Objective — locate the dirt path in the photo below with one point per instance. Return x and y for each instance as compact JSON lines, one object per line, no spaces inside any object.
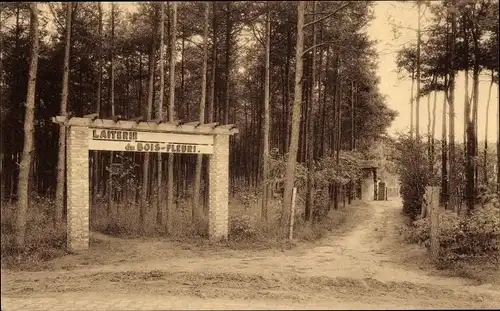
{"x":364,"y":265}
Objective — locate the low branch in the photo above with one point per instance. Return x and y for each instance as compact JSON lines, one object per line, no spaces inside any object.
{"x":259,"y":39}
{"x":315,"y":46}
{"x":317,"y":13}
{"x":54,"y":15}
{"x":328,"y":15}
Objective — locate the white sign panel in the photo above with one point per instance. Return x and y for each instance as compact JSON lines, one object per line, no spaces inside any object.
{"x":136,"y":141}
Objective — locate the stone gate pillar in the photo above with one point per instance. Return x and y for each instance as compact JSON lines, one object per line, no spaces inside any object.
{"x":218,"y":208}
{"x":77,"y":174}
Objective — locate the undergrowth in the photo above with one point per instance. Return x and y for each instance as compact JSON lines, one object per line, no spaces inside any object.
{"x":43,"y":242}
{"x":246,"y":228}
{"x":469,"y":245}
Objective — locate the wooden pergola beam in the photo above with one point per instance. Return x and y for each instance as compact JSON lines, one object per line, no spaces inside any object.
{"x":209,"y":125}
{"x":92,"y":116}
{"x":171,"y":127}
{"x":195,"y":123}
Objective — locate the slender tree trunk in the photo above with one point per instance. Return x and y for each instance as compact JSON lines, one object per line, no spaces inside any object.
{"x":338,"y":131}
{"x":159,"y":114}
{"x":417,"y":119}
{"x":211,"y":103}
{"x":99,"y":56}
{"x":429,"y":121}
{"x":228,"y":60}
{"x":97,"y":154}
{"x":319,"y":108}
{"x":181,"y":96}
{"x":294,"y":139}
{"x":310,"y":130}
{"x":485,"y":152}
{"x":171,"y":117}
{"x":498,"y":136}
{"x":324,"y":110}
{"x":333,"y":138}
{"x":149,"y":111}
{"x":112,"y":58}
{"x":353,"y":122}
{"x":467,"y":107}
{"x":29,"y":120}
{"x":469,"y":191}
{"x":473,"y":133}
{"x":453,"y":203}
{"x":286,"y":125}
{"x":3,"y":179}
{"x":61,"y":158}
{"x":476,"y":150}
{"x":111,"y":212}
{"x":433,"y":129}
{"x":411,"y":104}
{"x":197,"y":184}
{"x":266,"y":125}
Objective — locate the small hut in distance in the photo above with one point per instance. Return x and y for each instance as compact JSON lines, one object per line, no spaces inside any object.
{"x":372,"y":187}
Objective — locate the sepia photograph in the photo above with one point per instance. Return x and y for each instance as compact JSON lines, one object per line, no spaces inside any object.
{"x":250,"y":155}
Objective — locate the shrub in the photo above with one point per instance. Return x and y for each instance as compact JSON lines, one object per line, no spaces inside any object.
{"x":242,"y":227}
{"x":42,"y":242}
{"x":464,"y":238}
{"x":306,"y":232}
{"x":414,"y":174}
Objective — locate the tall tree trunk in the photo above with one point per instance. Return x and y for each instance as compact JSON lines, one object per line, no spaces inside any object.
{"x":469,"y":190}
{"x":228,"y":61}
{"x":433,"y":128}
{"x":211,"y":103}
{"x":99,"y":56}
{"x":171,"y":117}
{"x":411,"y":104}
{"x":429,"y":121}
{"x":319,"y":108}
{"x":338,"y":131}
{"x":485,"y":152}
{"x":197,"y":184}
{"x":159,"y":114}
{"x":138,"y":157}
{"x":3,"y":178}
{"x":29,"y":120}
{"x":472,"y":154}
{"x":498,"y":136}
{"x":333,"y":138}
{"x":61,"y":157}
{"x":444,"y":191}
{"x":498,"y":124}
{"x":296,"y":109}
{"x":111,"y":212}
{"x":287,"y":123}
{"x":353,"y":122}
{"x":112,"y":59}
{"x":149,"y":111}
{"x":181,"y":96}
{"x":310,"y":129}
{"x":453,"y":203}
{"x":324,"y":110}
{"x":96,"y":154}
{"x":417,"y":112}
{"x":466,"y":83}
{"x":266,"y":125}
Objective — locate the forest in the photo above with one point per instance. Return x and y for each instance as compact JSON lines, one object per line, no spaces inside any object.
{"x":298,"y":79}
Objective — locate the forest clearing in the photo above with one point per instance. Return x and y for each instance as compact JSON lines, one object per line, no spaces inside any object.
{"x":237,"y":154}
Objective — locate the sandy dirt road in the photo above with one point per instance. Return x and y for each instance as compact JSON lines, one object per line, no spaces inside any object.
{"x":362,"y":265}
